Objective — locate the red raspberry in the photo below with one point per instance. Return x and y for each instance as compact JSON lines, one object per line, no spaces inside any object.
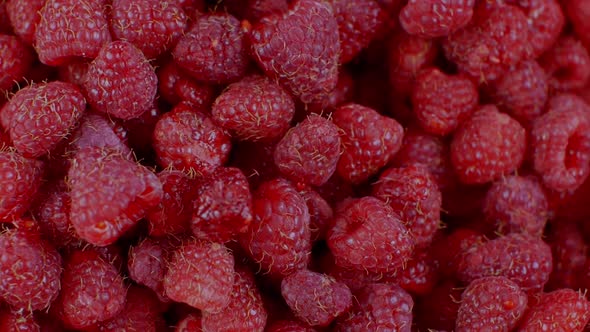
{"x":446,"y":249}
{"x":201,"y":274}
{"x":430,"y":19}
{"x":221,"y":57}
{"x":524,"y":259}
{"x":20,"y":179}
{"x":279,"y":238}
{"x":176,"y":86}
{"x":517,"y":204}
{"x":18,"y":321}
{"x":15,"y":61}
{"x":442,"y":102}
{"x":187,"y":139}
{"x":320,"y":213}
{"x":413,"y":194}
{"x":369,"y":140}
{"x":70,"y":28}
{"x":567,"y":64}
{"x":309,"y":152}
{"x":92,"y":290}
{"x":487,"y":146}
{"x":419,"y":276}
{"x":254,"y":109}
{"x":95,"y":130}
{"x":120,"y":82}
{"x":560,"y":310}
{"x":305,"y":63}
{"x":245,"y":311}
{"x":103,"y":206}
{"x":51,"y":210}
{"x":569,"y":255}
{"x":24,"y":17}
{"x":560,"y":140}
{"x":151,"y":25}
{"x":380,"y":307}
{"x":546,"y":21}
{"x":368,"y":235}
{"x":39,"y":116}
{"x":354,"y":279}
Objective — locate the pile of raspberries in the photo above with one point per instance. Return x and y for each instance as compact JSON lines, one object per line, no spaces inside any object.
{"x":294,"y":165}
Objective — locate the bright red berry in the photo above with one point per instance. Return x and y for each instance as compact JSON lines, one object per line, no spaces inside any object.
{"x":20,"y":179}
{"x":435,"y":19}
{"x":24,"y":18}
{"x":560,"y":310}
{"x":567,"y":64}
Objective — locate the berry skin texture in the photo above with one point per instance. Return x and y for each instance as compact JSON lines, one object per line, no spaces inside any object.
{"x":18,"y":321}
{"x":413,"y":194}
{"x":567,"y":65}
{"x":120,"y":82}
{"x":15,"y":61}
{"x":24,"y":17}
{"x":546,"y":22}
{"x":174,"y":86}
{"x":40,"y":116}
{"x":369,"y":141}
{"x":214,"y":49}
{"x":96,"y":130}
{"x":30,"y":270}
{"x":429,"y":19}
{"x":300,"y":48}
{"x":254,"y":109}
{"x":560,"y":310}
{"x":200,"y":274}
{"x":151,"y":25}
{"x":51,"y":211}
{"x":188,"y":139}
{"x":368,"y":235}
{"x":560,"y":140}
{"x":522,"y":258}
{"x":442,"y":102}
{"x":54,"y":41}
{"x":487,"y":146}
{"x":109,"y":194}
{"x":407,"y":55}
{"x":309,"y":152}
{"x":491,"y":303}
{"x":20,"y":179}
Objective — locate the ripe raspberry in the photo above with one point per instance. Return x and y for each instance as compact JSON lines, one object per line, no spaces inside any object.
{"x":430,"y":19}
{"x":447,"y":249}
{"x":95,"y":130}
{"x":176,"y":86}
{"x":369,"y":140}
{"x":560,"y":310}
{"x":24,"y":18}
{"x":92,"y":290}
{"x":69,"y":28}
{"x":254,"y":109}
{"x":51,"y":210}
{"x":18,"y":321}
{"x":201,"y":274}
{"x":491,"y":303}
{"x":487,"y":146}
{"x":546,"y":21}
{"x":379,"y":307}
{"x":419,"y":276}
{"x":15,"y":61}
{"x":524,"y":259}
{"x":567,"y":64}
{"x":39,"y":116}
{"x":120,"y":82}
{"x":152,"y":26}
{"x":110,"y":193}
{"x":309,"y":152}
{"x":214,"y":49}
{"x":569,"y":256}
{"x":245,"y":311}
{"x":406,"y":56}
{"x":305,"y":63}
{"x":187,"y":139}
{"x":442,"y":102}
{"x":320,"y":213}
{"x":413,"y":194}
{"x":560,"y":140}
{"x":279,"y":238}
{"x":20,"y":179}
{"x":368,"y":235}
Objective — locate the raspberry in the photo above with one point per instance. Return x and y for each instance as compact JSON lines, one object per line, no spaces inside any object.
{"x":419,"y":276}
{"x":342,"y":93}
{"x":309,"y":152}
{"x":245,"y":311}
{"x":200,"y":274}
{"x":279,"y":238}
{"x":442,"y":102}
{"x":187,"y":139}
{"x":406,"y":56}
{"x":487,"y":146}
{"x":120,"y":82}
{"x":95,"y":130}
{"x":446,"y":249}
{"x":214,"y":49}
{"x":368,"y":235}
{"x":524,"y":259}
{"x":104,"y":206}
{"x":176,"y":86}
{"x":380,"y":307}
{"x":51,"y":210}
{"x":39,"y":116}
{"x":546,"y":21}
{"x":560,"y":140}
{"x":369,"y":140}
{"x":567,"y":64}
{"x":151,"y":25}
{"x":320,"y":213}
{"x":430,"y":19}
{"x":569,"y":255}
{"x":24,"y":18}
{"x":30,"y":270}
{"x":20,"y":179}
{"x":517,"y":204}
{"x":92,"y":290}
{"x":254,"y":109}
{"x":69,"y":28}
{"x":18,"y":321}
{"x":304,"y":63}
{"x":560,"y":310}
{"x":15,"y":61}
{"x":413,"y":194}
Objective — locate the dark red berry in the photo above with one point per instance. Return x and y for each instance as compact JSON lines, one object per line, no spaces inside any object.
{"x":560,"y":310}
{"x":435,"y":19}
